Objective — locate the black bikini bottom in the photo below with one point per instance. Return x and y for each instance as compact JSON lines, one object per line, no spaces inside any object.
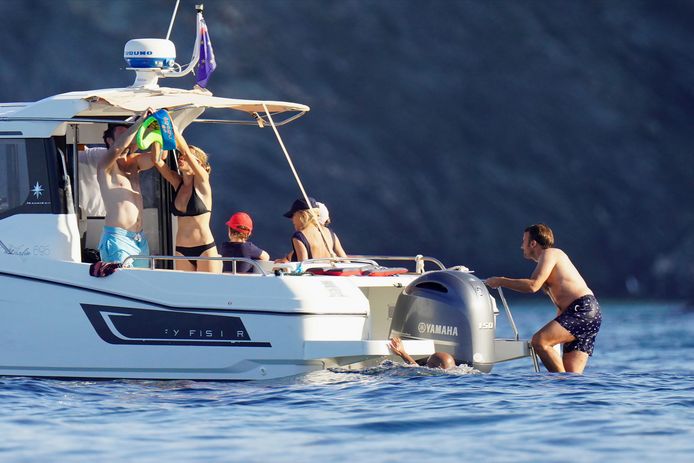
{"x":195,"y":251}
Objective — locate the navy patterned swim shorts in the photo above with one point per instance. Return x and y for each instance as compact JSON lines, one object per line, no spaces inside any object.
{"x":582,"y":319}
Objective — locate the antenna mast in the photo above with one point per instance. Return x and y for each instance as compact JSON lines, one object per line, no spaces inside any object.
{"x":173,"y":18}
{"x":155,"y":58}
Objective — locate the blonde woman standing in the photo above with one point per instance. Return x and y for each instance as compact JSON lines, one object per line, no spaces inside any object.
{"x":192,"y":205}
{"x":311,"y":240}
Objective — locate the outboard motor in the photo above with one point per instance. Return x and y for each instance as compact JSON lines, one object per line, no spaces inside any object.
{"x":455,"y":310}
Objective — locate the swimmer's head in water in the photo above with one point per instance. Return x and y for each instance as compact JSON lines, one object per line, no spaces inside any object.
{"x":442,"y":360}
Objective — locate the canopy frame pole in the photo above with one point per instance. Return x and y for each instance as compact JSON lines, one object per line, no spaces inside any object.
{"x":298,"y":180}
{"x":75,"y":169}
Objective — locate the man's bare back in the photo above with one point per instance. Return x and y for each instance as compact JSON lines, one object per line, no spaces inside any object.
{"x":563,"y":284}
{"x":579,"y":318}
{"x":554,"y":272}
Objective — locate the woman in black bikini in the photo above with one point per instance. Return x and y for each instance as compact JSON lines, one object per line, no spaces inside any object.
{"x":192,"y":205}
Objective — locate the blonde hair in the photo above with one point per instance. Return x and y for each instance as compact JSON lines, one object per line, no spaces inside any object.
{"x":201,"y":156}
{"x":306,"y":218}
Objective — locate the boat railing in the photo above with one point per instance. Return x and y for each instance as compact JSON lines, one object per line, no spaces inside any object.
{"x":262,"y":266}
{"x":419,"y":260}
{"x":234,"y":261}
{"x":338,"y":260}
{"x":370,"y":261}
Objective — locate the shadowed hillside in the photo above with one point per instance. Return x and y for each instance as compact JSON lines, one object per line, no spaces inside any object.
{"x":441,"y":127}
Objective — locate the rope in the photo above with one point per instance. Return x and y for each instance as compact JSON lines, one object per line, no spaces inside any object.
{"x":311,"y":210}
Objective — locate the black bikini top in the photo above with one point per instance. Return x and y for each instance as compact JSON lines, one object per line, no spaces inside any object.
{"x":194,"y":207}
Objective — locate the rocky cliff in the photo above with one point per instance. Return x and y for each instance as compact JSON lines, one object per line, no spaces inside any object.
{"x":439,"y":127}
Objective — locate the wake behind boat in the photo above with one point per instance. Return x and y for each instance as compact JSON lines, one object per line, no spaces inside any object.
{"x":159,"y":323}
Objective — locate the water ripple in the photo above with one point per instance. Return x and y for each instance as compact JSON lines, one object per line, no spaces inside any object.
{"x":635,"y":403}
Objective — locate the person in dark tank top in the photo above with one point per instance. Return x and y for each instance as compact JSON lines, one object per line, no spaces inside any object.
{"x":311,"y":240}
{"x":240,"y":227}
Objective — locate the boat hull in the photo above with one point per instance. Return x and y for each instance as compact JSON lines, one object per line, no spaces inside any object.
{"x":161,"y":324}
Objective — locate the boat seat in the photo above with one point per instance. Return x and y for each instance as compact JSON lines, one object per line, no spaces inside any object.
{"x":367,"y":270}
{"x":335,"y":271}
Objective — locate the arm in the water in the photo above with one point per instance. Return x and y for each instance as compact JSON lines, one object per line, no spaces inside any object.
{"x":398,"y":349}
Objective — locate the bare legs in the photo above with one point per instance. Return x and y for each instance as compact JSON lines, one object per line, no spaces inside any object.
{"x":212,"y":266}
{"x":575,"y":361}
{"x":183,"y":264}
{"x":544,"y":341}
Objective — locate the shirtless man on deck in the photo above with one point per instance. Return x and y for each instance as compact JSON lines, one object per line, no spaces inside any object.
{"x":579,"y":318}
{"x":118,"y":173}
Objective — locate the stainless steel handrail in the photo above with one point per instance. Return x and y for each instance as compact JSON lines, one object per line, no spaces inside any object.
{"x":335,"y":260}
{"x":365,"y":259}
{"x":279,"y":123}
{"x":533,"y":356}
{"x":418,"y":259}
{"x":235,"y":260}
{"x":508,"y":313}
{"x":89,"y":120}
{"x":81,"y":120}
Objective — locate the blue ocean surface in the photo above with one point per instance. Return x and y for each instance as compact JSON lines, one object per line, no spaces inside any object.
{"x":635,"y":402}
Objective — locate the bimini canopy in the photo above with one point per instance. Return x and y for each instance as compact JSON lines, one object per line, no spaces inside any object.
{"x":51,"y":116}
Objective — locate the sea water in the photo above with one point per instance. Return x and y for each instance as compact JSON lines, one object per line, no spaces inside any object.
{"x":635,"y":402}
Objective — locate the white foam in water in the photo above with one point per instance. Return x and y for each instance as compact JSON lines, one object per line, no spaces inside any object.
{"x":462,"y":370}
{"x":388,"y":367}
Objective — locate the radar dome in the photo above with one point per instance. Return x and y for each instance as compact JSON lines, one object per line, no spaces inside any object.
{"x":150,"y":53}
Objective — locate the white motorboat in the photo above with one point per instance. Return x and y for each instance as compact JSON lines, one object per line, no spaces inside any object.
{"x":159,"y":323}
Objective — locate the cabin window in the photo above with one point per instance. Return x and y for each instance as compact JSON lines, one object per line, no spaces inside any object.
{"x":24,"y":180}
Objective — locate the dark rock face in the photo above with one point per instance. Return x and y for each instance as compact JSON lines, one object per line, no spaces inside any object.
{"x":442,"y":128}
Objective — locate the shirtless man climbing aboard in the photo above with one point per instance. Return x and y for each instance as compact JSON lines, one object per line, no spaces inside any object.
{"x":579,"y":318}
{"x":118,"y":173}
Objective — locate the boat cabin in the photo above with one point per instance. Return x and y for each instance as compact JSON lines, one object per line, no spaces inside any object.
{"x":49,"y":199}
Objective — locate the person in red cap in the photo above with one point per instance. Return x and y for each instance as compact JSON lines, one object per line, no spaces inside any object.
{"x":240,"y":228}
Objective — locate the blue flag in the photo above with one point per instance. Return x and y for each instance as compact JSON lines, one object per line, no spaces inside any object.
{"x":206,"y":64}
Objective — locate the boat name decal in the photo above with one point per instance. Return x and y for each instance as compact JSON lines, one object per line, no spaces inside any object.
{"x":430,"y":328}
{"x":15,"y":250}
{"x":150,"y":326}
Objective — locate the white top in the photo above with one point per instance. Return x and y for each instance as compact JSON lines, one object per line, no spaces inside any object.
{"x":91,"y":201}
{"x":34,"y":119}
{"x":323,"y":213}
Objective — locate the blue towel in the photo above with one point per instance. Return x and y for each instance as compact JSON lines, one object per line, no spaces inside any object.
{"x":164,"y":135}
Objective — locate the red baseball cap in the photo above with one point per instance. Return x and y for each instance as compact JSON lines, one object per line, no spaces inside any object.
{"x":241,"y":222}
